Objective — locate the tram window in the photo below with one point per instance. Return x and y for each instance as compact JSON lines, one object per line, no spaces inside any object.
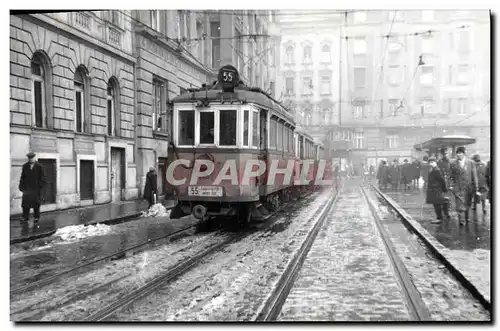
{"x":245,"y":127}
{"x":285,"y":140}
{"x":272,"y":134}
{"x":206,"y":128}
{"x":186,"y":127}
{"x":227,"y":125}
{"x":280,"y":136}
{"x":255,"y":128}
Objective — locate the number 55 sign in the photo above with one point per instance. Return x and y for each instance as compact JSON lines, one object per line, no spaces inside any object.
{"x":229,"y":77}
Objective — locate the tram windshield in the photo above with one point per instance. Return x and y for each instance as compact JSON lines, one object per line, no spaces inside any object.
{"x":207,"y":128}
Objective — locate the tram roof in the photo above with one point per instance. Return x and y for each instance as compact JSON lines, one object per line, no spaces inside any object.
{"x":444,"y":141}
{"x":242,"y":93}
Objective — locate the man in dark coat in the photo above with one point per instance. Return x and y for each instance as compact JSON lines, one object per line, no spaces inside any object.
{"x":482,"y":183}
{"x":406,"y":174}
{"x":150,"y":189}
{"x":444,"y":164}
{"x":415,"y":169}
{"x":463,"y":177}
{"x":31,"y":184}
{"x":436,"y":191}
{"x":395,"y":174}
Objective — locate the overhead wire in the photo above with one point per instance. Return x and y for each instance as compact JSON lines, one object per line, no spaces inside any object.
{"x":383,"y":56}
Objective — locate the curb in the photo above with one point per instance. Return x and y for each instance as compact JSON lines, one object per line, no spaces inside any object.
{"x":112,"y":221}
{"x":440,"y":251}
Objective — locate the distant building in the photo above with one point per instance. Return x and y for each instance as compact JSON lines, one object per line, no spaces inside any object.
{"x":388,"y":101}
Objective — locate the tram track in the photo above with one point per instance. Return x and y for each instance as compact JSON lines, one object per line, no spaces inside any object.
{"x":125,"y":299}
{"x":437,"y":252}
{"x":416,"y":306}
{"x":272,"y":307}
{"x":178,"y":270}
{"x":93,"y":263}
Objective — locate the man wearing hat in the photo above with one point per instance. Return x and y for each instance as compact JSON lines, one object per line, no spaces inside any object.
{"x":482,"y":183}
{"x":444,"y":163}
{"x":31,"y":184}
{"x":463,"y":178}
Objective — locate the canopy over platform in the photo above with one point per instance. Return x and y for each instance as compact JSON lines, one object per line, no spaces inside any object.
{"x":445,"y":141}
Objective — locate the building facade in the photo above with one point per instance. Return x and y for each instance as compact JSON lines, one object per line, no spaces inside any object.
{"x":90,"y":92}
{"x":72,"y":103}
{"x":395,"y":79}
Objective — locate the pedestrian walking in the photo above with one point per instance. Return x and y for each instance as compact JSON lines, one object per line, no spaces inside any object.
{"x":31,"y":184}
{"x":437,"y":190}
{"x":150,"y":189}
{"x":464,"y":185}
{"x":482,"y":183}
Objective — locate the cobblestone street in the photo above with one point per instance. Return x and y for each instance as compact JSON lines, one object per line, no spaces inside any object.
{"x":347,"y":275}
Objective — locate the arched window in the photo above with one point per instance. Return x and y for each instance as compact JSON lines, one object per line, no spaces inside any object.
{"x":307,"y":54}
{"x":289,"y":55}
{"x":41,"y":90}
{"x":82,"y":123}
{"x":38,"y":90}
{"x":113,"y":107}
{"x":325,"y":54}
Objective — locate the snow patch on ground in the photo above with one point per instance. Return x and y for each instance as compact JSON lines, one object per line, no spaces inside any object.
{"x":76,"y":232}
{"x":157,"y":210}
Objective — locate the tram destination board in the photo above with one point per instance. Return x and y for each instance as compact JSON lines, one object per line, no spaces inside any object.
{"x":229,"y":77}
{"x":205,"y":191}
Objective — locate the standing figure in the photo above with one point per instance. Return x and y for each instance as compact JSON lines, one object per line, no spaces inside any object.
{"x":464,"y":185}
{"x":416,"y":173}
{"x":444,"y":164}
{"x":31,"y":184}
{"x":436,"y":191}
{"x":424,"y":170}
{"x":406,"y":174}
{"x":150,"y":189}
{"x":482,"y":183}
{"x":395,"y":174}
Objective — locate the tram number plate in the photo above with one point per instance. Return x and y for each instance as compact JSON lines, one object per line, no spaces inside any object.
{"x":205,"y":191}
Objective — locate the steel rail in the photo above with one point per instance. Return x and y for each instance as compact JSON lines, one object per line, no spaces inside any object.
{"x":414,"y":302}
{"x":50,"y":279}
{"x":436,"y":251}
{"x":274,"y":303}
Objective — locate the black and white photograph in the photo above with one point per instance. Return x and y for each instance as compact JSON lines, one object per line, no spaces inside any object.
{"x":250,"y":165}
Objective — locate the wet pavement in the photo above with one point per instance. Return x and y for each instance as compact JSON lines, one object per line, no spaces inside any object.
{"x":473,"y":235}
{"x":51,"y":221}
{"x":34,"y":260}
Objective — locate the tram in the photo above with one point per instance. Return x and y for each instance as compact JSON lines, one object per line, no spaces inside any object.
{"x":230,"y":122}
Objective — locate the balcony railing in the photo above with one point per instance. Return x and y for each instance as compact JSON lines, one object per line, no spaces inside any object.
{"x":114,"y":36}
{"x":83,"y":20}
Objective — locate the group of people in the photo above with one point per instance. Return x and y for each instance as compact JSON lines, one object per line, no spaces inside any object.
{"x":397,"y":176}
{"x":468,"y":181}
